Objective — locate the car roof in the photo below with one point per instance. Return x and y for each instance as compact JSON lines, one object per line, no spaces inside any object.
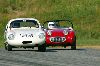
{"x":23,"y":19}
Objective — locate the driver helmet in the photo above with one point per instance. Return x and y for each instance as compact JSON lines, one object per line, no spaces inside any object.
{"x":51,"y":25}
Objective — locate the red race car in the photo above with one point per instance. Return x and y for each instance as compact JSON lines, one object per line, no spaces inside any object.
{"x":60,"y":33}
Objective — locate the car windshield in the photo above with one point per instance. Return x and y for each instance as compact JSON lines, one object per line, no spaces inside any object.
{"x":59,"y":24}
{"x":64,"y":24}
{"x":24,"y":23}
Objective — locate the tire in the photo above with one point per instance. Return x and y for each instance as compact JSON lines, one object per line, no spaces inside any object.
{"x":64,"y":46}
{"x":8,"y":47}
{"x":5,"y":47}
{"x":42,"y":48}
{"x":73,"y":46}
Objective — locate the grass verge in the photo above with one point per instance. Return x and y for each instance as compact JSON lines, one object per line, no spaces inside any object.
{"x":88,"y":42}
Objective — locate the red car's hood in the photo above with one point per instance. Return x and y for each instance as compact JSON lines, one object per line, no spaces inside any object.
{"x":57,"y":32}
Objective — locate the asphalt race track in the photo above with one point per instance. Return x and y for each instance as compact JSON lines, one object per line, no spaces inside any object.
{"x":52,"y":57}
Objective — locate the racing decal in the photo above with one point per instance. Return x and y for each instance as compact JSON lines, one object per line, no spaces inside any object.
{"x":26,"y":35}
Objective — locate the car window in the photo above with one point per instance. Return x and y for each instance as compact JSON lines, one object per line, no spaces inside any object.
{"x":24,"y":23}
{"x":64,"y":24}
{"x":59,"y":24}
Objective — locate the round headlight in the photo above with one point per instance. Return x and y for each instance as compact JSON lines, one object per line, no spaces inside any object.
{"x":49,"y":33}
{"x":41,"y":35}
{"x":65,"y":32}
{"x":11,"y":37}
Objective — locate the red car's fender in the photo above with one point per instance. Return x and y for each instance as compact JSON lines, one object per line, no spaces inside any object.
{"x":70,"y":37}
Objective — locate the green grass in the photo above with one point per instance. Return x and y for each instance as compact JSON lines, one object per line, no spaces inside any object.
{"x":85,"y":14}
{"x":1,"y":41}
{"x":88,"y":42}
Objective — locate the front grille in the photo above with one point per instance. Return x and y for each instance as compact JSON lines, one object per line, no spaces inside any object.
{"x":57,"y":39}
{"x":26,"y":42}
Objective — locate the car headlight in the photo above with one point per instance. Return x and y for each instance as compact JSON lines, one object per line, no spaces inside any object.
{"x":11,"y":36}
{"x":65,"y":32}
{"x":41,"y":35}
{"x":49,"y":33}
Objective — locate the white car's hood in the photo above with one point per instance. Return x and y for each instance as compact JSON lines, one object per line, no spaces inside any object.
{"x":26,"y":33}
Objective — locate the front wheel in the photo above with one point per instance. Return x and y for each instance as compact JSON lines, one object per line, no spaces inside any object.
{"x":8,"y":47}
{"x":42,"y":48}
{"x":73,"y":46}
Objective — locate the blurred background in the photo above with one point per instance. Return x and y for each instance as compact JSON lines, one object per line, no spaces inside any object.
{"x":85,"y":15}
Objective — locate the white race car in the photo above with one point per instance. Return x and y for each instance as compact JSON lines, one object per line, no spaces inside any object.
{"x":24,"y":32}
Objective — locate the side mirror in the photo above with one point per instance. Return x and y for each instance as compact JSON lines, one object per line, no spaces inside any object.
{"x":42,"y":26}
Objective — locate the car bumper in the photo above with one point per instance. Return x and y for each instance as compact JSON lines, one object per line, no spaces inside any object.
{"x":67,"y":42}
{"x":26,"y":42}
